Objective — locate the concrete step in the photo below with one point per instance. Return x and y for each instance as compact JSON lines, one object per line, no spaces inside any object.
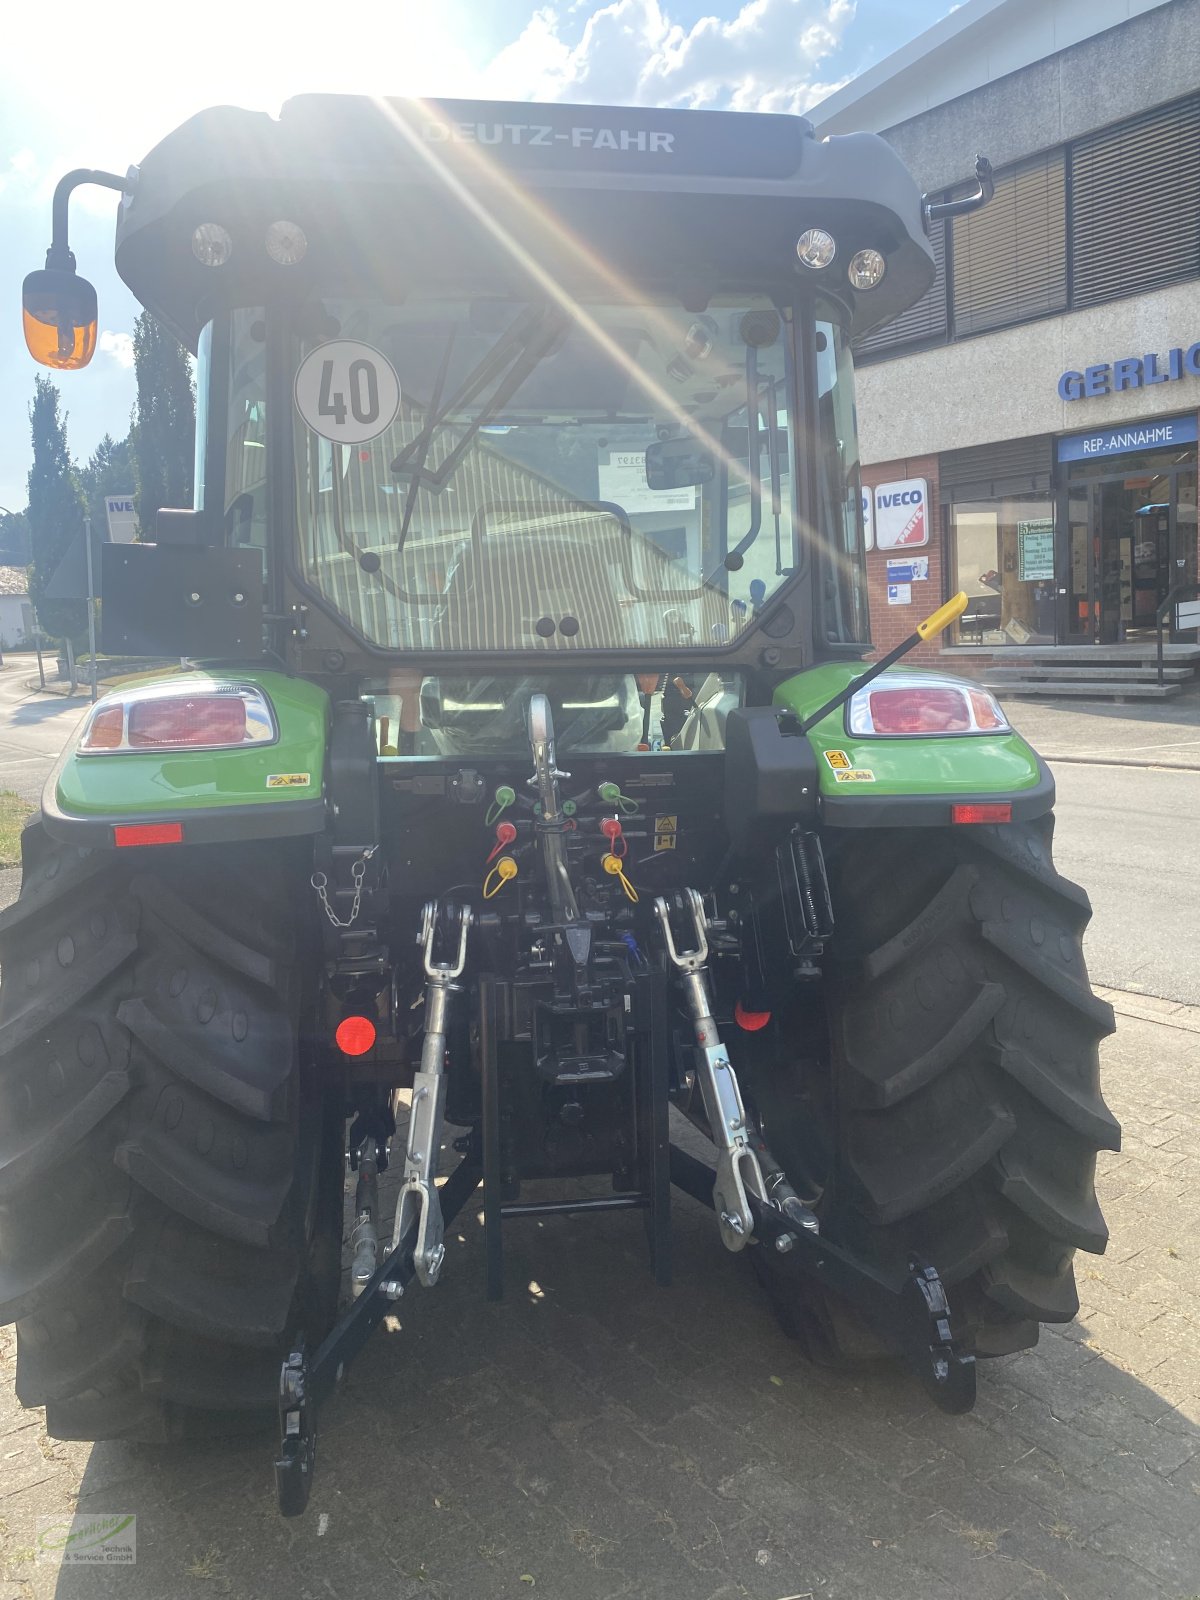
{"x":1097,"y":688}
{"x":1094,"y":654}
{"x":1027,"y":672}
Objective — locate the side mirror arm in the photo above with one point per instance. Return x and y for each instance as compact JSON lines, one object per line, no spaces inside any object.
{"x":972,"y":202}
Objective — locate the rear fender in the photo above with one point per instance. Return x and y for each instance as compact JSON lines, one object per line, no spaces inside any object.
{"x":875,"y":781}
{"x":270,"y":790}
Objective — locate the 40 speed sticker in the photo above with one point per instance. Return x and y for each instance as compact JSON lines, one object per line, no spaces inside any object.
{"x":855,"y":775}
{"x":347,"y":392}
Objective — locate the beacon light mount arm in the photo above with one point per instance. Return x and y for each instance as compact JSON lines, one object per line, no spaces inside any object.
{"x":985,"y":188}
{"x":59,"y":310}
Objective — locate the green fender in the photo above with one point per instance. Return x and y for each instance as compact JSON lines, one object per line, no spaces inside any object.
{"x":271,"y":790}
{"x":875,"y":781}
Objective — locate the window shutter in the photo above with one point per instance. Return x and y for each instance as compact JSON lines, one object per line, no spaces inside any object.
{"x":925,"y":321}
{"x":1009,"y":259}
{"x":1010,"y":466}
{"x":1135,"y":204}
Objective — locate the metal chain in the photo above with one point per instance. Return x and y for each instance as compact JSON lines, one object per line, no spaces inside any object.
{"x":357,"y":873}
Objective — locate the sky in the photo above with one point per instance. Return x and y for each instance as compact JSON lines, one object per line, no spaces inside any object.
{"x":102,"y":100}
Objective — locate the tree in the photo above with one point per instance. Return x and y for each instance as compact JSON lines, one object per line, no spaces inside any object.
{"x":14,"y":539}
{"x":110,"y":471}
{"x":55,"y":513}
{"x":164,"y":428}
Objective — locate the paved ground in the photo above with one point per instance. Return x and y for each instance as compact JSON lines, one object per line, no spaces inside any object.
{"x":593,"y":1437}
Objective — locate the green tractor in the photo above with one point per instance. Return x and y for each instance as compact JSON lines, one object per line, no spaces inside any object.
{"x":521,"y":775}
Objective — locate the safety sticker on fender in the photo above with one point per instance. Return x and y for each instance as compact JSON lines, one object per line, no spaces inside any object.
{"x":855,"y":775}
{"x":288,"y":780}
{"x":838,"y":760}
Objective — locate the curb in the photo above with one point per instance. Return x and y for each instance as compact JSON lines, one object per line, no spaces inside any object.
{"x":1150,"y":1008}
{"x":1121,"y":761}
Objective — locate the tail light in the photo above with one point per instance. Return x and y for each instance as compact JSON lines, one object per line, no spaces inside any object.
{"x":177,"y":716}
{"x":921,"y":705}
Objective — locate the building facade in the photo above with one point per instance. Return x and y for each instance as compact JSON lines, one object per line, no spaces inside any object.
{"x":1040,"y":404}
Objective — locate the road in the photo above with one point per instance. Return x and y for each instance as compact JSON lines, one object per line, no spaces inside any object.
{"x":1130,"y":836}
{"x":33,"y":727}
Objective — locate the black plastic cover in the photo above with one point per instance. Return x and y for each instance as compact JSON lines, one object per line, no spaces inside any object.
{"x":181,"y":600}
{"x":770,"y":775}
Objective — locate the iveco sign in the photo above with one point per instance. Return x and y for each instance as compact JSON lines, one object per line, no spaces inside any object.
{"x":901,"y":514}
{"x":1131,"y":372}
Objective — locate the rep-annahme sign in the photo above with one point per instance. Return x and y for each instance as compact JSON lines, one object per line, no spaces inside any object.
{"x":1156,"y":435}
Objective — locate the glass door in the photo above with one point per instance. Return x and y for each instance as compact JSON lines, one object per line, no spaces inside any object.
{"x":1076,"y":578}
{"x":1183,"y":538}
{"x":1113,"y":545}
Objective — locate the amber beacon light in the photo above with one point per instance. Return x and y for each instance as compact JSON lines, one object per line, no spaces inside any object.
{"x":58,"y":307}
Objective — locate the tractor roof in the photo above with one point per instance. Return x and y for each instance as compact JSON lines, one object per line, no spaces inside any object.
{"x":393,"y":194}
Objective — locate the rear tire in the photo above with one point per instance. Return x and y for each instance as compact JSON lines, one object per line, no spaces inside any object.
{"x":170,"y":1162}
{"x":961,"y":1091}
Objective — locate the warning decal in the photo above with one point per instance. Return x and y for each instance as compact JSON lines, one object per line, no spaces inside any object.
{"x":838,"y":760}
{"x":665,"y":829}
{"x":288,"y":780}
{"x":855,"y":775}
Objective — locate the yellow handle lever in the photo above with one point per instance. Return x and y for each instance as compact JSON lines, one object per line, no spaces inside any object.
{"x":943,"y":616}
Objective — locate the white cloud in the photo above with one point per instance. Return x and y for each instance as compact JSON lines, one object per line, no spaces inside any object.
{"x":765,"y":58}
{"x":19,"y":173}
{"x":117,"y":345}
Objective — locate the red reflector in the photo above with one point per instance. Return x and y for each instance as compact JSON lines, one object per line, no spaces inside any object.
{"x":147,"y":833}
{"x":920,"y":708}
{"x":355,"y":1035}
{"x":990,"y":813}
{"x":751,"y":1021}
{"x":187,"y":720}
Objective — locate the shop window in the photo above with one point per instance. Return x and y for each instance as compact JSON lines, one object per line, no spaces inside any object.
{"x":1009,"y":259}
{"x":1002,"y":553}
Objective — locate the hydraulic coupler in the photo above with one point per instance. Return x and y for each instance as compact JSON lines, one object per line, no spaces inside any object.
{"x":419,"y":1201}
{"x":738,"y":1168}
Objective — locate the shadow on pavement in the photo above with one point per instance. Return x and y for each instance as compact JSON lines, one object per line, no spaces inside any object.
{"x":37,"y":709}
{"x":593,"y":1436}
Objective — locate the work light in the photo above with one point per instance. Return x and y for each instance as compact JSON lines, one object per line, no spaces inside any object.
{"x":212,"y":244}
{"x":287,"y":244}
{"x":816,"y":248}
{"x":866,"y":269}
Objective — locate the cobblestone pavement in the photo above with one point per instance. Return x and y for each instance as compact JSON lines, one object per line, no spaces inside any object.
{"x":593,"y":1437}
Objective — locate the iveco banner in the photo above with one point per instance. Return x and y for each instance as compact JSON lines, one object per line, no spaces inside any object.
{"x":902,"y":514}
